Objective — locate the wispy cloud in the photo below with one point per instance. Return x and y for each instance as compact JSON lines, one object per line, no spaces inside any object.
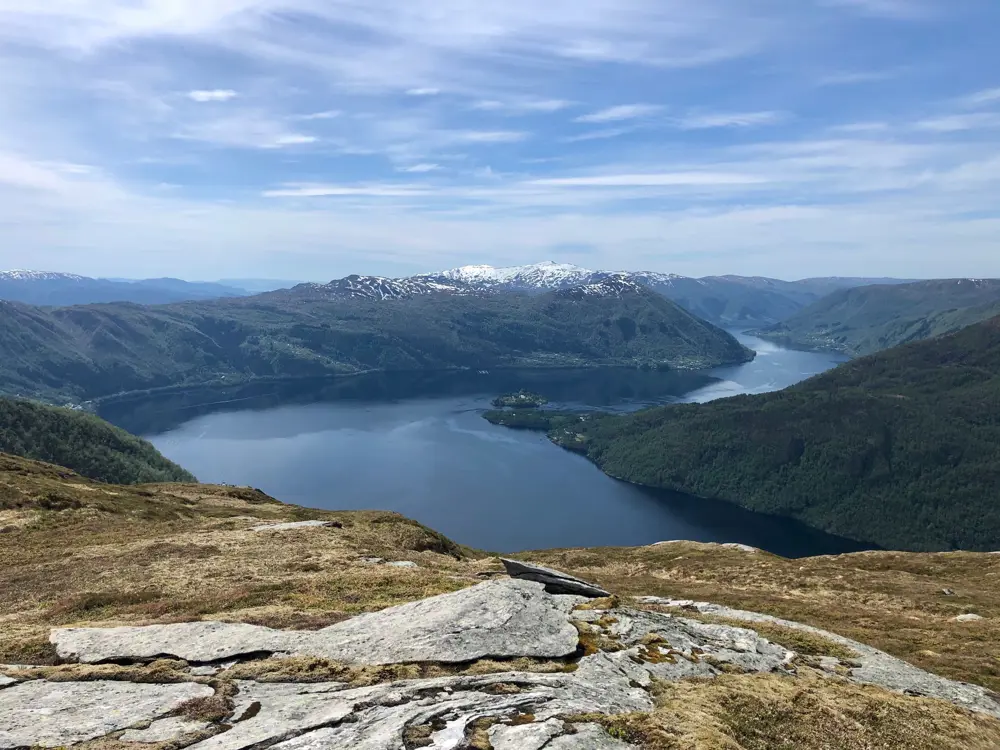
{"x":522,"y":106}
{"x":665,"y":179}
{"x":727,"y":120}
{"x":330,"y":114}
{"x":212,"y":95}
{"x":246,"y":130}
{"x":980,"y":98}
{"x":847,"y":78}
{"x":598,"y":135}
{"x":421,"y":168}
{"x":423,"y":92}
{"x":957,"y":123}
{"x":307,"y":190}
{"x":621,"y":112}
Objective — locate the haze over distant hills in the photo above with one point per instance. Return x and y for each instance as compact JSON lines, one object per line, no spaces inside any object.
{"x":47,"y":288}
{"x":864,"y":320}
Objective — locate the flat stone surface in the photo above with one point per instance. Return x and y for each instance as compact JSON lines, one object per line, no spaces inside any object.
{"x":876,"y":667}
{"x":293,"y":525}
{"x":165,"y":730}
{"x":54,"y":714}
{"x":555,"y":582}
{"x":6,"y":681}
{"x":503,"y":618}
{"x":403,"y":564}
{"x":191,"y":641}
{"x":526,"y":736}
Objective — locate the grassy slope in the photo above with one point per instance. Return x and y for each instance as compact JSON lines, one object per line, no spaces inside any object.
{"x":166,"y":553}
{"x":99,"y":350}
{"x":868,"y":319}
{"x":82,"y":442}
{"x":901,"y":448}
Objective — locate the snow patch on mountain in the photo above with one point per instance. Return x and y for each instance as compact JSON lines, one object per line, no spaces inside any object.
{"x":547,"y":275}
{"x":381,"y":288}
{"x":610,"y":285}
{"x":25,"y":275}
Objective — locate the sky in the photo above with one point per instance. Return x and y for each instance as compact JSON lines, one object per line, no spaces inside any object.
{"x":310,"y":139}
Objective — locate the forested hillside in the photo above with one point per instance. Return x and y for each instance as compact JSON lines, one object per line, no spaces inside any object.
{"x":868,"y":319}
{"x":92,"y":351}
{"x":901,"y":448}
{"x":82,"y":442}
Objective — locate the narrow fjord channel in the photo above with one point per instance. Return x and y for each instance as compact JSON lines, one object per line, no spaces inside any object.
{"x":417,"y":444}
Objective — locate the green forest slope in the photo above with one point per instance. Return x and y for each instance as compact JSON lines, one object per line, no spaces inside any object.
{"x":82,"y":442}
{"x":78,"y":353}
{"x":868,"y":319}
{"x":901,"y":448}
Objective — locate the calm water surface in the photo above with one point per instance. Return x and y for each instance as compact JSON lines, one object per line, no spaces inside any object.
{"x":417,"y":444}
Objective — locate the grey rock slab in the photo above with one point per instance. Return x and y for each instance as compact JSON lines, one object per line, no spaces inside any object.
{"x":54,"y":714}
{"x":165,"y":730}
{"x":6,"y":681}
{"x":331,"y":716}
{"x":191,"y":641}
{"x":588,"y":737}
{"x":555,"y":582}
{"x":876,"y":667}
{"x":293,"y":525}
{"x":526,"y":736}
{"x":503,"y":618}
{"x":687,"y":648}
{"x":403,"y":564}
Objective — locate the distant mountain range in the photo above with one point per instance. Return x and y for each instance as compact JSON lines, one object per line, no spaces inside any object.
{"x":728,"y":301}
{"x":354,"y":325}
{"x":868,"y":319}
{"x":55,"y":289}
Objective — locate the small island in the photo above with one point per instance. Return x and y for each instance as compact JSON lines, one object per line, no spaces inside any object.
{"x":520,"y":400}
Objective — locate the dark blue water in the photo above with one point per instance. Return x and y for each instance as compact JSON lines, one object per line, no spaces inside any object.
{"x":417,"y":444}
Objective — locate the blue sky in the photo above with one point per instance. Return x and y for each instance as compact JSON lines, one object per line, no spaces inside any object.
{"x":315,"y":138}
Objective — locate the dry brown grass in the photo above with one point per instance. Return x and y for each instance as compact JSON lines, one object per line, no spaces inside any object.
{"x":308,"y":669}
{"x":105,"y":555}
{"x":770,"y":712}
{"x":167,"y":553}
{"x":891,"y":600}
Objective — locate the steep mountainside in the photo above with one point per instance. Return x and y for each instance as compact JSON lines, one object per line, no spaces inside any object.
{"x":42,"y":288}
{"x":346,"y":327}
{"x":868,"y":319}
{"x":900,"y":449}
{"x":727,"y":301}
{"x":83,"y":443}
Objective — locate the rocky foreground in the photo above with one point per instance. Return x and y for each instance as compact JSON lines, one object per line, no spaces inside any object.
{"x":190,"y":616}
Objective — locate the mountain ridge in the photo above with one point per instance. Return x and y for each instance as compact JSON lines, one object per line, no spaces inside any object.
{"x":863,"y":320}
{"x":96,"y":351}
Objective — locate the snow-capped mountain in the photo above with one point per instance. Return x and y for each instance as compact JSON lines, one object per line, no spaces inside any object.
{"x":538,"y":276}
{"x":24,"y":275}
{"x":381,"y":288}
